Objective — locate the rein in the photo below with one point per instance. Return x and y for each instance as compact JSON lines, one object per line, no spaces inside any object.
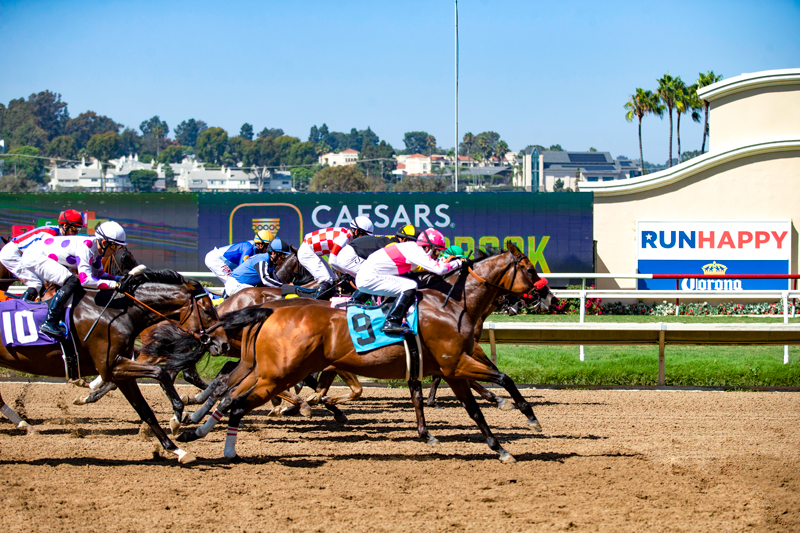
{"x":203,"y":336}
{"x":538,"y":285}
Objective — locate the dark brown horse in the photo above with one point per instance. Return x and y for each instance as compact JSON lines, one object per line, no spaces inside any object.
{"x":107,"y":349}
{"x":295,"y":341}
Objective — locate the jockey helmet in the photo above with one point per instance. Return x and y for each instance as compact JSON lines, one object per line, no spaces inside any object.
{"x":70,"y":217}
{"x":454,"y":250}
{"x":280,"y":247}
{"x":407,"y":232}
{"x":264,"y":236}
{"x":362,"y":223}
{"x":112,"y":232}
{"x":431,"y":237}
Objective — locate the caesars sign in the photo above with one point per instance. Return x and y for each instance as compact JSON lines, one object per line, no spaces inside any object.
{"x":721,"y":248}
{"x":556,"y":234}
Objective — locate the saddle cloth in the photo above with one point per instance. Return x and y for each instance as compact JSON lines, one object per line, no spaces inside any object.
{"x":20,"y":321}
{"x":365,"y":323}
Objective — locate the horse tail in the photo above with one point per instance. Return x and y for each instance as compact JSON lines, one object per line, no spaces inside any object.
{"x":177,"y":348}
{"x":234,"y":322}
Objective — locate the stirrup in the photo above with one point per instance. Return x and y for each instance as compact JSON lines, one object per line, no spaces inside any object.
{"x":59,"y":331}
{"x":393,"y":328}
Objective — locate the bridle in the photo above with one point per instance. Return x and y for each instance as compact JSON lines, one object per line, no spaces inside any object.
{"x":203,"y":336}
{"x":539,"y":285}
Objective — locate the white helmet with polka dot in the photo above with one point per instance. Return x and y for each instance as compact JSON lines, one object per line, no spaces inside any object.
{"x":111,"y":232}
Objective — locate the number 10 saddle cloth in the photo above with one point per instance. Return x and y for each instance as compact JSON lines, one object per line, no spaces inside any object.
{"x":365,"y":325}
{"x":20,"y":321}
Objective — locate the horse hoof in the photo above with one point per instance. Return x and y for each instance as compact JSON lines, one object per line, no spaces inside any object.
{"x":187,"y":458}
{"x":535,"y":425}
{"x":313,"y":399}
{"x":187,"y":436}
{"x":174,"y":425}
{"x":507,"y":458}
{"x":185,"y":399}
{"x":305,"y":411}
{"x":187,"y":417}
{"x":235,"y":460}
{"x":29,"y":429}
{"x":342,"y":419}
{"x":275,"y":413}
{"x":79,"y":401}
{"x":504,"y":405}
{"x":432,"y":440}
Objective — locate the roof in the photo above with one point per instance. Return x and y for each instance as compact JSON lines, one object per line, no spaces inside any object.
{"x":582,"y":158}
{"x":401,"y":166}
{"x":349,"y":151}
{"x":417,"y":155}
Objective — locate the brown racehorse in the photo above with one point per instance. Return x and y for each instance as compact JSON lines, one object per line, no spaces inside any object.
{"x":107,"y":350}
{"x":295,"y":341}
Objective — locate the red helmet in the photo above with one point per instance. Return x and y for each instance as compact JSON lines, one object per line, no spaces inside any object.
{"x":71,"y":217}
{"x":431,"y":237}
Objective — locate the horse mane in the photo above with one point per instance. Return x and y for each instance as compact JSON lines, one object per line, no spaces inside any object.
{"x":166,"y":277}
{"x":179,"y":349}
{"x":234,"y":321}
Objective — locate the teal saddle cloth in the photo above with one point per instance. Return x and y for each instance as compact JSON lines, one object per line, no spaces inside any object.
{"x":365,"y":323}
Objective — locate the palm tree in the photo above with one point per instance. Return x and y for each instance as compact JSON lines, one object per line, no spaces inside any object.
{"x":666,"y":93}
{"x":686,"y":100}
{"x":704,"y":80}
{"x":640,"y":104}
{"x":500,"y":150}
{"x":469,"y":138}
{"x":430,"y":142}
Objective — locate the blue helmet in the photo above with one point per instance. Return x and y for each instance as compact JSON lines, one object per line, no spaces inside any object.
{"x":280,"y":247}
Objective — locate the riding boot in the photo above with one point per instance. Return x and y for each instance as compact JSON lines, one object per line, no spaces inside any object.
{"x":30,"y":295}
{"x":394,"y":321}
{"x":360,"y":297}
{"x":324,"y":291}
{"x":53,"y":324}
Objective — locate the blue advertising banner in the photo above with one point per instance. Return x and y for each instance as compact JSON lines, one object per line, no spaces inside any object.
{"x":554,"y":230}
{"x":711,"y":247}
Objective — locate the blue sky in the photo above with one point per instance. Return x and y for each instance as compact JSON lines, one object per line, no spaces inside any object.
{"x":535,"y":72}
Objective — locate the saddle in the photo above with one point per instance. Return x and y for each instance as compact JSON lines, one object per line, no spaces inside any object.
{"x":293,"y":291}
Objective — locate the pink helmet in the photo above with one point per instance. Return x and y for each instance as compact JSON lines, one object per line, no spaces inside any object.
{"x":431,"y":237}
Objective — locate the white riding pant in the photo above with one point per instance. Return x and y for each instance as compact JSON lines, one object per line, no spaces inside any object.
{"x":314,"y":264}
{"x":232,"y":287}
{"x":11,"y":258}
{"x":348,"y":261}
{"x":217,"y":266}
{"x":44,"y":268}
{"x":371,"y":282}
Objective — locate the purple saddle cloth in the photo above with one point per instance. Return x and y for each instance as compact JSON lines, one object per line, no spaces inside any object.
{"x":20,"y":321}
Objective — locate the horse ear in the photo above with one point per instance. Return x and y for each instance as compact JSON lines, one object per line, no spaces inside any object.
{"x":294,"y":250}
{"x":511,"y":247}
{"x":5,"y":241}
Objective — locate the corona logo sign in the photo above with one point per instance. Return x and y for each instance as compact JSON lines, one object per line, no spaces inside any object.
{"x":272,"y":224}
{"x":714,"y":268}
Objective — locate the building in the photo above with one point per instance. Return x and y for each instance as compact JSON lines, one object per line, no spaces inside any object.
{"x":345,"y":157}
{"x":751,"y":173}
{"x":89,"y":177}
{"x":542,"y":169}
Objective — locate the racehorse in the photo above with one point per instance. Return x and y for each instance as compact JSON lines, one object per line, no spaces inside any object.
{"x":105,"y":349}
{"x":295,"y":341}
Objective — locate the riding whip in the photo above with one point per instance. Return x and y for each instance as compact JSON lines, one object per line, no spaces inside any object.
{"x":135,"y":272}
{"x":453,"y":286}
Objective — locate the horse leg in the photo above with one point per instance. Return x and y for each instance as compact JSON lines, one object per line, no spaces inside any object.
{"x":488,"y":395}
{"x":415,"y":387}
{"x":324,"y":383}
{"x":355,"y":388}
{"x":130,"y":389}
{"x":258,"y":395}
{"x":203,"y":395}
{"x":309,"y":381}
{"x":243,"y":387}
{"x":127,"y":369}
{"x":519,"y":400}
{"x":104,"y":389}
{"x":299,"y":405}
{"x":15,"y":418}
{"x":461,"y":389}
{"x":193,"y":377}
{"x":437,"y":380}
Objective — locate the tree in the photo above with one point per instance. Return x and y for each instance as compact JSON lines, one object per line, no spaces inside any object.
{"x":234,"y":154}
{"x":143,"y":180}
{"x":639,"y":104}
{"x":51,"y":113}
{"x":246,"y":131}
{"x":188,"y":131}
{"x":592,"y":149}
{"x":685,"y":156}
{"x":171,"y":154}
{"x":211,"y":145}
{"x":62,"y":147}
{"x":430,"y":142}
{"x":302,"y":176}
{"x":686,"y":100}
{"x":103,"y":147}
{"x":300,"y":153}
{"x":375,"y":168}
{"x":368,"y":138}
{"x":87,"y":124}
{"x":270,"y":132}
{"x":555,"y":148}
{"x":154,"y":132}
{"x":558,"y":186}
{"x":666,"y":93}
{"x":33,"y":122}
{"x":345,"y":178}
{"x":169,"y":179}
{"x":130,"y":143}
{"x":469,"y":138}
{"x":415,"y":141}
{"x":704,"y":80}
{"x":418,"y":183}
{"x":259,"y":155}
{"x":27,"y":172}
{"x":501,"y":149}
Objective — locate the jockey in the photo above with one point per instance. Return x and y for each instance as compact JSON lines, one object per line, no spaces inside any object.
{"x":454,"y":250}
{"x":257,"y":270}
{"x":222,"y":261}
{"x":55,"y":260}
{"x":70,"y":222}
{"x":381,"y":273}
{"x":329,"y":241}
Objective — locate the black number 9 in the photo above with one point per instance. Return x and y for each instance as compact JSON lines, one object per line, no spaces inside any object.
{"x":366,"y":326}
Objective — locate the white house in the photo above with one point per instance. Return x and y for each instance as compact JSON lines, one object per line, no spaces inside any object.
{"x":345,"y":157}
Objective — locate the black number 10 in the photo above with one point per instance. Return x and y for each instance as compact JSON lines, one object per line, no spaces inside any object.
{"x":360,"y":327}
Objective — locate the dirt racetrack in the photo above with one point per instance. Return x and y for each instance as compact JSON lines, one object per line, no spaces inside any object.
{"x":606,"y":461}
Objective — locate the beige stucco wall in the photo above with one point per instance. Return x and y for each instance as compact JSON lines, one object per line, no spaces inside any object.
{"x":761,"y":112}
{"x":760,"y":187}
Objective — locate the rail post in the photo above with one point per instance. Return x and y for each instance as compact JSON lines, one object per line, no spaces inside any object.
{"x":661,"y":370}
{"x":785,"y":297}
{"x":493,"y":346}
{"x":583,"y":315}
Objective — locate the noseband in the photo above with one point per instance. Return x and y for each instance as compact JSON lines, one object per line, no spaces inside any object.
{"x":539,"y":285}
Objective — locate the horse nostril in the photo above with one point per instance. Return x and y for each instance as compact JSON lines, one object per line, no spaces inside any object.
{"x":225,"y":347}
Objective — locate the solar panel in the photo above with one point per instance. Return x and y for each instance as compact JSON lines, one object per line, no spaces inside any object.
{"x":587,"y":158}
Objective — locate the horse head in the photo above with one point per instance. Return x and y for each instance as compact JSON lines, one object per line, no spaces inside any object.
{"x":527,"y":280}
